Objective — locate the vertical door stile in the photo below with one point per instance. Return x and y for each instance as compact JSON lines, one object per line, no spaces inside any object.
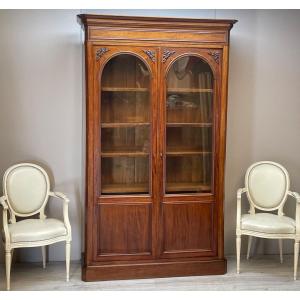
{"x":155,"y":155}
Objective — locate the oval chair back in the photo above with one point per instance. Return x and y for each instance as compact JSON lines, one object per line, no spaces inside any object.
{"x":267,"y":184}
{"x":26,"y":187}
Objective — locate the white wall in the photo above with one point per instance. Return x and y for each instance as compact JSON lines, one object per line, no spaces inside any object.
{"x":41,"y":101}
{"x":41,"y":105}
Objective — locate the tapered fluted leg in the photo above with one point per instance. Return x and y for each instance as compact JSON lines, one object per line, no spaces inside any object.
{"x":249,"y":246}
{"x":12,"y":256}
{"x":280,"y":250}
{"x":238,"y":253}
{"x":8,"y":267}
{"x":68,"y":255}
{"x":44,"y":256}
{"x":296,"y":254}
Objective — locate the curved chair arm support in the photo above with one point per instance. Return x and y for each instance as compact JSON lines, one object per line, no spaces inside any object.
{"x":3,"y":203}
{"x":238,"y":210}
{"x":295,"y":195}
{"x":59,"y":195}
{"x":5,"y":223}
{"x":297,"y":217}
{"x":65,"y":210}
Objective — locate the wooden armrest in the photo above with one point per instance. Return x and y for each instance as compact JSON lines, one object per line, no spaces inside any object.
{"x":240,"y":192}
{"x":295,"y":195}
{"x":59,"y":195}
{"x":65,"y":210}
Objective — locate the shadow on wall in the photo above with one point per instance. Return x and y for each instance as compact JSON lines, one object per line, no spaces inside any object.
{"x":240,"y":115}
{"x":263,"y":111}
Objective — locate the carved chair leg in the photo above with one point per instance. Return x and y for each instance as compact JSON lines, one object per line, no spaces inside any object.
{"x":44,"y":256}
{"x":296,"y":254}
{"x":68,"y":255}
{"x":12,"y":256}
{"x":249,"y":246}
{"x":280,"y":250}
{"x":8,"y":268}
{"x":238,"y":253}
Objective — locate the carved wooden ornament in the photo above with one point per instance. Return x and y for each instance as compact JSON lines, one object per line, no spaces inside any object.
{"x":100,"y":52}
{"x":166,"y":55}
{"x":151,"y":54}
{"x":215,"y":55}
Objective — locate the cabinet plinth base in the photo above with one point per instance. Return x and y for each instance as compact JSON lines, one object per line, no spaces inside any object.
{"x":154,"y":269}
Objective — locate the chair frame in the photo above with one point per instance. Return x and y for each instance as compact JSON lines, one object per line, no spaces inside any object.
{"x":239,"y":232}
{"x":9,"y":246}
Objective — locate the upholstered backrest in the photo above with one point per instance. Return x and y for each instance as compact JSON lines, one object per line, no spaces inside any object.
{"x":26,"y":187}
{"x":267,"y":185}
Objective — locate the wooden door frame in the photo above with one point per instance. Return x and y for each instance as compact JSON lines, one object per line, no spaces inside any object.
{"x":214,"y":60}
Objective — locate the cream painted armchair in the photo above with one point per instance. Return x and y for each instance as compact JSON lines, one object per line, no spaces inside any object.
{"x":267,"y":187}
{"x":26,"y":191}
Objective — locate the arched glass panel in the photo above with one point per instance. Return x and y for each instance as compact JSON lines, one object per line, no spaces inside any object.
{"x":125,"y":126}
{"x":189,"y":128}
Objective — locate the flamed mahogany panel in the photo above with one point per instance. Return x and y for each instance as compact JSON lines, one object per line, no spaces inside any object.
{"x":124,"y":229}
{"x":102,"y":33}
{"x":187,"y":227}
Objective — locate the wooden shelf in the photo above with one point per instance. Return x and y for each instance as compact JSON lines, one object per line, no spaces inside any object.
{"x":187,"y":186}
{"x":125,"y":188}
{"x":117,"y":125}
{"x":186,"y":152}
{"x":189,"y":124}
{"x":188,"y":90}
{"x":124,"y":89}
{"x":123,"y":153}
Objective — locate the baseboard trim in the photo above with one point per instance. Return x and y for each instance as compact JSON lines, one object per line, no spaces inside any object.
{"x":154,"y":269}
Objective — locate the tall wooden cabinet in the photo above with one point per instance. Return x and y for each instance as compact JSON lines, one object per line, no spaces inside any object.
{"x":156,"y":96}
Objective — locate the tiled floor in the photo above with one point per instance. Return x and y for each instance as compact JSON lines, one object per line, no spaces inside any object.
{"x":259,"y":273}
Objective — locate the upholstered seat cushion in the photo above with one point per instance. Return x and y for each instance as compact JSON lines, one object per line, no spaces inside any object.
{"x":268,"y":223}
{"x":33,"y":230}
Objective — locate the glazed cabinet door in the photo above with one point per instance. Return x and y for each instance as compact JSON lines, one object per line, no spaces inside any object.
{"x":125,"y":151}
{"x":189,"y":129}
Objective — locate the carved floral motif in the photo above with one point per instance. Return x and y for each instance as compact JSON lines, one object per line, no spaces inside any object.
{"x":166,"y":55}
{"x":215,"y":55}
{"x":100,"y":52}
{"x":151,"y":54}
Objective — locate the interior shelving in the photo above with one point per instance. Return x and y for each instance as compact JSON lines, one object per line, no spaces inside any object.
{"x":124,"y":89}
{"x":173,"y":124}
{"x":127,"y":124}
{"x":189,"y":90}
{"x":125,"y":127}
{"x":187,"y":187}
{"x":186,"y":152}
{"x":189,"y":127}
{"x":127,"y":153}
{"x":124,"y":188}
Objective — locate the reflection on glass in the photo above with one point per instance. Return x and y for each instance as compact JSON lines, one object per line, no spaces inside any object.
{"x":188,"y":138}
{"x":188,"y":173}
{"x":125,"y":107}
{"x":189,"y":132}
{"x":125,"y":126}
{"x":125,"y":139}
{"x":125,"y":175}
